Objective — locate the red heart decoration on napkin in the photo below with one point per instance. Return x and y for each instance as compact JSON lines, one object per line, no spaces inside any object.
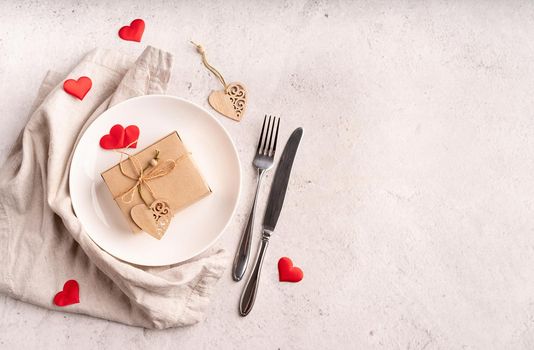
{"x":78,"y":88}
{"x":133,"y":32}
{"x":69,"y":295}
{"x":119,"y":137}
{"x":287,"y":272}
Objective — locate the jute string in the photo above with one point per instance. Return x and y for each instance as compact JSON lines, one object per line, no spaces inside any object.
{"x":145,"y":174}
{"x":202,"y":52}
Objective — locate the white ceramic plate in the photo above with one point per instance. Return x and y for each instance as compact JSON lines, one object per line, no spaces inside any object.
{"x":193,"y":229}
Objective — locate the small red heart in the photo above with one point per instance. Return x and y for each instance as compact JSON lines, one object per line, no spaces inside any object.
{"x":131,"y":135}
{"x":119,"y":137}
{"x":69,"y":295}
{"x":133,"y":32}
{"x":115,"y":138}
{"x":78,"y":88}
{"x":288,"y":273}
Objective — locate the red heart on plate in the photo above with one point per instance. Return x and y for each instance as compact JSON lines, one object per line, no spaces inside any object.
{"x":134,"y":31}
{"x":78,"y":88}
{"x":119,"y":137}
{"x":131,"y":135}
{"x":69,"y":295}
{"x":287,"y":272}
{"x":115,"y":138}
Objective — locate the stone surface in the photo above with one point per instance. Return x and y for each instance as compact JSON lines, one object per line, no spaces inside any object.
{"x":411,"y":202}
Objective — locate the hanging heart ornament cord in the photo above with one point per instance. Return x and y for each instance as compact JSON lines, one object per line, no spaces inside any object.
{"x":232,"y":100}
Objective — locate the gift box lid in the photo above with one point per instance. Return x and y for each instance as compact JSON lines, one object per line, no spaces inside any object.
{"x":181,"y":187}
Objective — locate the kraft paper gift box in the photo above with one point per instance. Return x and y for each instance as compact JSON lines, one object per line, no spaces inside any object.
{"x":179,"y":187}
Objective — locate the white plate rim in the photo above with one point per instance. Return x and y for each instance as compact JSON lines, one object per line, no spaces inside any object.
{"x":235,"y":154}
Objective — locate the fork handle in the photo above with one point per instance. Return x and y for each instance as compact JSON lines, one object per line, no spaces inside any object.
{"x":251,"y":288}
{"x":243,"y":251}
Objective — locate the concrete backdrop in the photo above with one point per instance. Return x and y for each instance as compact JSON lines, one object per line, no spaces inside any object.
{"x":411,"y":202}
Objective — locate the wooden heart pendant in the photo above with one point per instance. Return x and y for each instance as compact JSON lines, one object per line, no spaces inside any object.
{"x":155,"y":219}
{"x":231,"y":101}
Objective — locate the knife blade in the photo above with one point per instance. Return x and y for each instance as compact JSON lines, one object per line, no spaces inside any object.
{"x":281,"y":180}
{"x":272,"y":213}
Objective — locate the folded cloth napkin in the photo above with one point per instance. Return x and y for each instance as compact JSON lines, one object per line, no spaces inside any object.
{"x":42,"y":243}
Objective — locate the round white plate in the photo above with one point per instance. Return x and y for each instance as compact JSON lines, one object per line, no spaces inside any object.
{"x":193,"y":229}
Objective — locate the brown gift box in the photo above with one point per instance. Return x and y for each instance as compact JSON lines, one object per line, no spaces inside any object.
{"x":181,"y":187}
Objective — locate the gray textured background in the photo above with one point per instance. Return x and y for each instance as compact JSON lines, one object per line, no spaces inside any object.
{"x":411,"y":203}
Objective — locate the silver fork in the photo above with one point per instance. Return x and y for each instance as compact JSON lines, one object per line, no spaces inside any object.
{"x":263,"y":161}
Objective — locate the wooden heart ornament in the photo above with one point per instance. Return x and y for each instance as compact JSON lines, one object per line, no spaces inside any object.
{"x":155,"y":219}
{"x":231,"y":101}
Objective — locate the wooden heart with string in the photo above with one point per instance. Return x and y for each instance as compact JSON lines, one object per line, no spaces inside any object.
{"x":232,"y":100}
{"x":152,"y":217}
{"x":155,"y":219}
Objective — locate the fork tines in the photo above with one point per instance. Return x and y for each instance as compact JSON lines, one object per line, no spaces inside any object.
{"x":266,"y":146}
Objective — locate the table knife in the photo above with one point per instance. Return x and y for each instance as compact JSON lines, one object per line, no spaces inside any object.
{"x":272,"y":212}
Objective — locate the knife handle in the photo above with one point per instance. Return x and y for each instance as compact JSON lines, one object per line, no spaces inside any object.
{"x":251,"y":288}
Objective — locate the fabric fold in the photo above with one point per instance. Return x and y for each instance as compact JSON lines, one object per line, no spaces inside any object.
{"x":43,"y":244}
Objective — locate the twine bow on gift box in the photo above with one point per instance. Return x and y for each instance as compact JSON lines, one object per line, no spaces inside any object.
{"x":154,"y":170}
{"x":145,"y":175}
{"x":153,"y":217}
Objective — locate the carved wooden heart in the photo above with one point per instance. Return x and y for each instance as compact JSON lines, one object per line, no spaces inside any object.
{"x":154,"y":220}
{"x":231,"y":101}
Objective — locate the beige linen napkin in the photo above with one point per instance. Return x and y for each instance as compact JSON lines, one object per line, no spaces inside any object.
{"x":42,"y":243}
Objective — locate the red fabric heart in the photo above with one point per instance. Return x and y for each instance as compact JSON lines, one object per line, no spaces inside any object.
{"x":288,"y":273}
{"x":119,"y":137}
{"x":131,"y":135}
{"x":78,"y":88}
{"x":133,"y":32}
{"x":115,"y":138}
{"x":69,"y":295}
